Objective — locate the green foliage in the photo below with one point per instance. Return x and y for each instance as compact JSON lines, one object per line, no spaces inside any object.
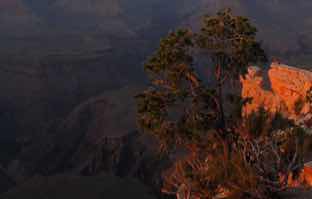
{"x":230,"y":42}
{"x":174,"y":50}
{"x":176,"y":107}
{"x":243,"y":157}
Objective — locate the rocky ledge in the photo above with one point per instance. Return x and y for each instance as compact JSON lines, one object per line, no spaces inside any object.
{"x":282,"y":89}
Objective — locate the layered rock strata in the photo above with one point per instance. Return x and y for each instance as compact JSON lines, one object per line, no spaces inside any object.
{"x":287,"y":91}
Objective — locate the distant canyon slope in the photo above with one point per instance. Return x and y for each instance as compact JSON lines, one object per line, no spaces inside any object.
{"x":55,"y":54}
{"x":284,"y":30}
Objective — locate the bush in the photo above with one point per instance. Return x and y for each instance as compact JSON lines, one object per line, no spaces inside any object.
{"x":259,"y":167}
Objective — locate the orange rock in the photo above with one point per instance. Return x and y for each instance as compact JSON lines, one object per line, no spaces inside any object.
{"x":305,"y":177}
{"x":307,"y":174}
{"x":289,"y":86}
{"x":252,"y":87}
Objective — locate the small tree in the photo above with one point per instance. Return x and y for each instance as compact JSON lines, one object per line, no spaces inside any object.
{"x":231,"y":45}
{"x":177,"y":107}
{"x":181,"y":111}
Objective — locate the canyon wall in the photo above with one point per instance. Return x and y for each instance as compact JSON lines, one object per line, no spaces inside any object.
{"x":286,"y":90}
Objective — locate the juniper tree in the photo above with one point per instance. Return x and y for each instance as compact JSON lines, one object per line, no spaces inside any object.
{"x":177,"y":107}
{"x":180,"y":110}
{"x":230,"y":43}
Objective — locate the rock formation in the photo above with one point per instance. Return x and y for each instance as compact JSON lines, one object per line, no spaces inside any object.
{"x":253,"y":88}
{"x":287,"y":95}
{"x":97,"y":136}
{"x":95,"y":125}
{"x":288,"y":87}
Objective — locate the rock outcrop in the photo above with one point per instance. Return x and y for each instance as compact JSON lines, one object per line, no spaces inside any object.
{"x":286,"y":93}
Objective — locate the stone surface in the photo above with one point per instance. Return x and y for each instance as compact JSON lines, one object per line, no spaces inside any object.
{"x":287,"y":92}
{"x":307,"y":174}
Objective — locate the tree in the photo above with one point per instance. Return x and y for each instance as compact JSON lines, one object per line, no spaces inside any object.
{"x":182,"y":111}
{"x":230,"y":43}
{"x":177,"y":107}
{"x":260,"y":166}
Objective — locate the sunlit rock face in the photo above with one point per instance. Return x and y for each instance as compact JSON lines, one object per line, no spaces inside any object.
{"x":289,"y":86}
{"x":307,"y":174}
{"x":253,"y":88}
{"x":286,"y":94}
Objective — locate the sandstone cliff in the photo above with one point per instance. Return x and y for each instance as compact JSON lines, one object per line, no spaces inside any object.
{"x":286,"y":93}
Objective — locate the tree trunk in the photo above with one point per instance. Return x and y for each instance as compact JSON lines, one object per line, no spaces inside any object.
{"x":220,"y":97}
{"x":226,"y":150}
{"x":221,"y":122}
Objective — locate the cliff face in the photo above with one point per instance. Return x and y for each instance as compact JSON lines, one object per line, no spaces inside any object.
{"x":287,"y":92}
